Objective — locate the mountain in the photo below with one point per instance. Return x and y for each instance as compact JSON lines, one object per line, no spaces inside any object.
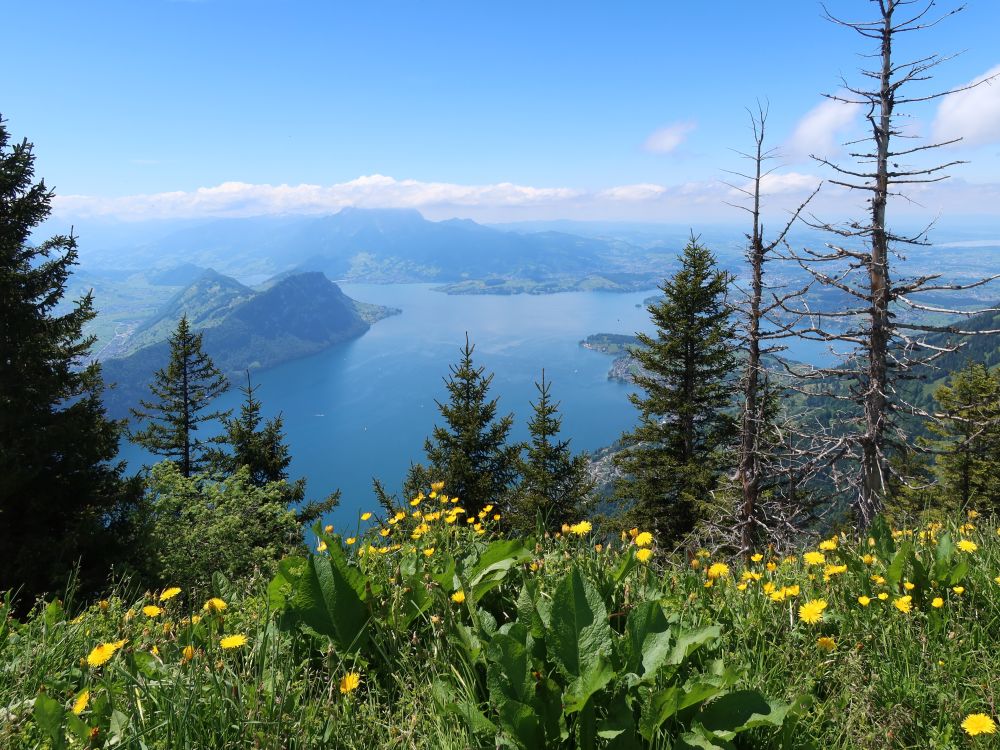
{"x":397,"y":245}
{"x":299,"y":315}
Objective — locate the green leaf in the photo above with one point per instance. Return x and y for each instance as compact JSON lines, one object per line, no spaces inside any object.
{"x":522,"y":725}
{"x":618,"y":720}
{"x":449,"y":702}
{"x":54,"y":613}
{"x":327,"y":600}
{"x":281,"y":586}
{"x":579,"y":634}
{"x":508,"y":674}
{"x":689,"y":642}
{"x":492,"y":566}
{"x":49,"y":713}
{"x":741,"y":710}
{"x":958,"y":572}
{"x":894,"y":573}
{"x":649,"y":636}
{"x":595,"y":678}
{"x":942,"y":556}
{"x":222,"y":587}
{"x":657,"y":708}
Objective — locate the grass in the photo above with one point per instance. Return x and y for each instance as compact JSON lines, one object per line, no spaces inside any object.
{"x":556,"y":636}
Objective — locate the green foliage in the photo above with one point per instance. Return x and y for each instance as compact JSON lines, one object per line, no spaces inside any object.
{"x":672,"y":460}
{"x":61,"y":497}
{"x":555,"y":485}
{"x":183,"y":390}
{"x":469,"y":452}
{"x":197,"y":526}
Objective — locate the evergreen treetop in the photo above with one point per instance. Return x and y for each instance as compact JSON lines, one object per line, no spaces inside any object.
{"x":183,"y":389}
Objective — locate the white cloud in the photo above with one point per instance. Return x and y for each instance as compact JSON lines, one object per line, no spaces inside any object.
{"x":821,"y":129}
{"x":666,"y":139}
{"x":972,"y":115}
{"x":688,"y":202}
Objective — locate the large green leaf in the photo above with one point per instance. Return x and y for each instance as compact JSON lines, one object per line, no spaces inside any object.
{"x":687,"y":643}
{"x":649,"y":636}
{"x":894,"y":573}
{"x":595,"y":678}
{"x":281,"y":586}
{"x":508,"y":674}
{"x":579,"y":633}
{"x":522,"y":725}
{"x":492,"y":566}
{"x":49,"y":713}
{"x":741,"y":710}
{"x":942,"y":556}
{"x":326,"y":599}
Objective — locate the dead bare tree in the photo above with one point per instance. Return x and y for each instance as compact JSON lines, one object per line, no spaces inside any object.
{"x":884,"y":347}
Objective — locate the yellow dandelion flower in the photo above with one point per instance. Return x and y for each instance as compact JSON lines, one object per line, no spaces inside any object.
{"x":966,"y":546}
{"x":768,"y":587}
{"x":350,"y":682}
{"x":741,"y":586}
{"x":644,"y":555}
{"x":581,"y":528}
{"x":103,"y":652}
{"x":868,"y":559}
{"x":833,"y":570}
{"x":350,"y":540}
{"x":908,"y":586}
{"x":496,"y":516}
{"x":644,"y":539}
{"x":437,"y":486}
{"x":233,"y":641}
{"x":973,"y":515}
{"x":771,"y":567}
{"x":878,"y":580}
{"x":695,"y":563}
{"x":458,"y":597}
{"x":416,"y":501}
{"x":151,"y":610}
{"x":81,"y":702}
{"x":328,"y":529}
{"x":814,"y":558}
{"x":169,"y":593}
{"x":958,"y":589}
{"x":883,"y":596}
{"x":974,"y":724}
{"x":385,"y":532}
{"x":321,"y":547}
{"x":756,"y":557}
{"x":864,"y":601}
{"x":825,"y":643}
{"x":903,"y":603}
{"x":997,"y":580}
{"x":104,"y":604}
{"x":703,"y":553}
{"x":365,"y":516}
{"x":717,"y":570}
{"x":811,"y":611}
{"x":709,"y":583}
{"x":793,"y":590}
{"x":428,"y":552}
{"x":937,"y":603}
{"x":828,"y":545}
{"x":154,"y":651}
{"x":187,"y":653}
{"x":215,"y":604}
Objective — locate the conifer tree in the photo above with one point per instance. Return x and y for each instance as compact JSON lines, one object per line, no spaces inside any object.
{"x":968,"y":432}
{"x":469,"y":452}
{"x":555,"y":484}
{"x":671,"y":461}
{"x":256,"y":443}
{"x":183,"y":390}
{"x":61,"y":497}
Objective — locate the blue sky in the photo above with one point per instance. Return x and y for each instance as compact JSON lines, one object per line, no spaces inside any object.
{"x":169,"y":109}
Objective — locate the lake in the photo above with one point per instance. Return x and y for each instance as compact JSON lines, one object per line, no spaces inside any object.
{"x":362,"y":409}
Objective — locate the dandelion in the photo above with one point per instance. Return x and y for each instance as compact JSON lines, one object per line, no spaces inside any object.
{"x":437,"y":486}
{"x":883,"y":596}
{"x":868,"y":559}
{"x":328,"y":529}
{"x":644,"y":539}
{"x":756,"y":557}
{"x":771,"y":567}
{"x":458,"y":597}
{"x":717,"y":570}
{"x":103,"y":652}
{"x":215,"y":604}
{"x":104,"y":604}
{"x":81,"y":702}
{"x":428,"y":552}
{"x":937,"y":603}
{"x":233,"y":641}
{"x":908,"y":586}
{"x":814,"y":558}
{"x":997,"y":580}
{"x":321,"y":547}
{"x":812,"y":611}
{"x":703,"y":553}
{"x":416,"y":501}
{"x":350,"y":540}
{"x":169,"y":593}
{"x":903,"y":603}
{"x":151,"y":610}
{"x":581,"y":528}
{"x":966,"y":546}
{"x":826,"y":643}
{"x":974,"y":724}
{"x":350,"y":682}
{"x":385,"y":532}
{"x":187,"y":653}
{"x":878,"y":580}
{"x":365,"y":516}
{"x":828,"y":545}
{"x":644,"y":555}
{"x":958,"y":589}
{"x":864,"y":601}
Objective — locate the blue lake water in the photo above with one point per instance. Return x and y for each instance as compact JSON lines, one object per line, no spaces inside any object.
{"x":362,"y":409}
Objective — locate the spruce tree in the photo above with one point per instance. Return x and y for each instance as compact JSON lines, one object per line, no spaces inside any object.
{"x":672,"y":460}
{"x":555,"y":484}
{"x":469,"y":452}
{"x":256,"y":443}
{"x":968,"y":444}
{"x":61,"y":498}
{"x":183,"y":390}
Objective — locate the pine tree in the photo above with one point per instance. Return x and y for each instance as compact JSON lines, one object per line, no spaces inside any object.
{"x":555,"y":484}
{"x":671,"y":461}
{"x":61,"y":498}
{"x":469,"y":453}
{"x":968,"y":464}
{"x":183,"y":390}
